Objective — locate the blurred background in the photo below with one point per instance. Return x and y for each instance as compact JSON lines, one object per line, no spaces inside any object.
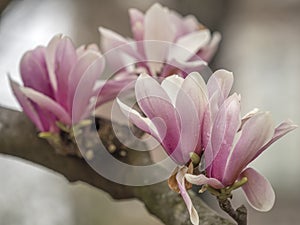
{"x":261,"y":45}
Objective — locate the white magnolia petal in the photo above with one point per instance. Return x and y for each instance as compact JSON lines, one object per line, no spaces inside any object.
{"x":110,"y":39}
{"x":137,"y":23}
{"x":188,"y":45}
{"x":258,"y":190}
{"x":226,"y":125}
{"x":194,"y":86}
{"x":281,"y":130}
{"x":249,"y":115}
{"x":152,"y":98}
{"x":156,"y":104}
{"x":50,"y":59}
{"x":202,"y":179}
{"x":172,"y":85}
{"x":143,"y":123}
{"x":192,"y":96}
{"x":158,"y":33}
{"x":220,"y":81}
{"x":210,"y":49}
{"x":180,"y":177}
{"x":256,"y":132}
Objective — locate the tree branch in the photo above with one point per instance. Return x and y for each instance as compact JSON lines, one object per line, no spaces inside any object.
{"x":18,"y":138}
{"x":239,"y":215}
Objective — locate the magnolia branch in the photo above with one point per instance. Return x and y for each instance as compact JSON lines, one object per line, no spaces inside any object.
{"x":239,"y":215}
{"x":18,"y":138}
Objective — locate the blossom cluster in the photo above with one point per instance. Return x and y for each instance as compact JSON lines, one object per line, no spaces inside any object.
{"x":55,"y":74}
{"x":197,"y":123}
{"x":199,"y":119}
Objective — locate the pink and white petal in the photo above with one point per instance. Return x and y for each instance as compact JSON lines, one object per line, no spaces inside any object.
{"x":183,"y":25}
{"x":65,"y":59}
{"x":172,"y":85}
{"x":219,"y":86}
{"x":110,"y":39}
{"x":208,"y":51}
{"x":157,"y":24}
{"x":114,"y":45}
{"x":27,"y":106}
{"x":202,"y":179}
{"x":180,"y":177}
{"x":83,"y":49}
{"x":190,"y":123}
{"x":152,"y":98}
{"x":194,"y":86}
{"x":191,"y":23}
{"x":256,"y":132}
{"x":191,"y":66}
{"x":143,"y":123}
{"x":280,"y":131}
{"x":192,"y":95}
{"x":47,"y":118}
{"x":84,"y":90}
{"x":87,"y":62}
{"x":177,"y":24}
{"x":92,"y":47}
{"x":226,"y":125}
{"x":158,"y":33}
{"x":221,"y":82}
{"x":110,"y":89}
{"x":206,"y":127}
{"x":50,"y":60}
{"x":34,"y":71}
{"x":188,"y":45}
{"x":214,"y":105}
{"x":181,"y":68}
{"x":258,"y":190}
{"x":249,"y":115}
{"x":137,"y":23}
{"x":48,"y":104}
{"x":155,"y":103}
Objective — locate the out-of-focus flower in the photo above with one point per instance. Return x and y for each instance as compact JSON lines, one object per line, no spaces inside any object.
{"x":233,"y":144}
{"x":178,"y":115}
{"x":52,"y":75}
{"x":164,"y":43}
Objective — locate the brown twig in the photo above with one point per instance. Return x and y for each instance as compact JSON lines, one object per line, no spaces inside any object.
{"x":239,"y":215}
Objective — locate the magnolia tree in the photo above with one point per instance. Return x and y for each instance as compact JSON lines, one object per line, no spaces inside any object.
{"x":157,"y":81}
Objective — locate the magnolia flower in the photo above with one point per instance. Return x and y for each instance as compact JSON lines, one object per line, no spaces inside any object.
{"x":188,"y":117}
{"x":164,"y":43}
{"x":178,"y":115}
{"x":52,"y":75}
{"x":167,"y":119}
{"x":233,"y":144}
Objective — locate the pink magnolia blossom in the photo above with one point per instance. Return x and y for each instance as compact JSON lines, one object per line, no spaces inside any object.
{"x":233,"y":144}
{"x":188,"y":116}
{"x":178,"y":115}
{"x":179,"y":107}
{"x":164,"y":43}
{"x":52,"y":75}
{"x":166,"y":118}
